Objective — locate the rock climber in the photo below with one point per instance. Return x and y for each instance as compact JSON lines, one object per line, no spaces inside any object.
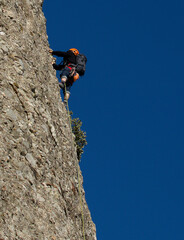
{"x":68,"y":73}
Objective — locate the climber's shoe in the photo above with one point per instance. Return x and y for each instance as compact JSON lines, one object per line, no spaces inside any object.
{"x":65,"y":103}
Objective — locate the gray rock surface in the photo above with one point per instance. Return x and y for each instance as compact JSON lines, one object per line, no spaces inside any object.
{"x":39,"y":196}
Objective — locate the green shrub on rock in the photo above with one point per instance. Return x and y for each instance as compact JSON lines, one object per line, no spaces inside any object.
{"x":80,"y":136}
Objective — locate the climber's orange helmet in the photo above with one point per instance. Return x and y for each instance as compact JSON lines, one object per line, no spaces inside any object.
{"x":74,"y":50}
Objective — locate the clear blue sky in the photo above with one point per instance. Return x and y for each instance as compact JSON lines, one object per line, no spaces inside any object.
{"x":131,"y":103}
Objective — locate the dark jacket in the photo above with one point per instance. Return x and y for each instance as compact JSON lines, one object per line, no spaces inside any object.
{"x":68,"y":57}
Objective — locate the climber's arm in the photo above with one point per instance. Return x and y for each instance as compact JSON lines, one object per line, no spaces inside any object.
{"x":56,"y":66}
{"x":60,"y":53}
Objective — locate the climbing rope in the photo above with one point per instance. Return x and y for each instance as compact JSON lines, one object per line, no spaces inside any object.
{"x":78,"y":170}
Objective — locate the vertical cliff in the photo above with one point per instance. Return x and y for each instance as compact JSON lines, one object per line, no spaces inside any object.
{"x":38,"y":166}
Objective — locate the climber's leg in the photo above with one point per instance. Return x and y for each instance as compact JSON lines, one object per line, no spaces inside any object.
{"x":65,"y":73}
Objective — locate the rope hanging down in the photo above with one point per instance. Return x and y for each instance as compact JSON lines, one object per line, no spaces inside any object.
{"x":78,"y":170}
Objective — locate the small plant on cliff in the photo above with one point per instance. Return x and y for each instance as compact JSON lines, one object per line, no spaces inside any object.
{"x":80,"y":136}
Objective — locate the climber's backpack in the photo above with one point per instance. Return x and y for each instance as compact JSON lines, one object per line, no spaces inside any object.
{"x":81,"y":64}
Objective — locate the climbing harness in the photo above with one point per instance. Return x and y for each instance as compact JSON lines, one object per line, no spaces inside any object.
{"x":78,"y":170}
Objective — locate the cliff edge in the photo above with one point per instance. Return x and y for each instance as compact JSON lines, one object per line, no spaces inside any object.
{"x":39,"y":183}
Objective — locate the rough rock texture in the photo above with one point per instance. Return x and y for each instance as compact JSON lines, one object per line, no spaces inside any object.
{"x":38,"y":166}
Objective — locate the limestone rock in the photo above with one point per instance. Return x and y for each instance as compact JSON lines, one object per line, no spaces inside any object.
{"x":38,"y":164}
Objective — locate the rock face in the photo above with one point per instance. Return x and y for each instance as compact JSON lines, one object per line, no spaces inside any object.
{"x":39,"y":181}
